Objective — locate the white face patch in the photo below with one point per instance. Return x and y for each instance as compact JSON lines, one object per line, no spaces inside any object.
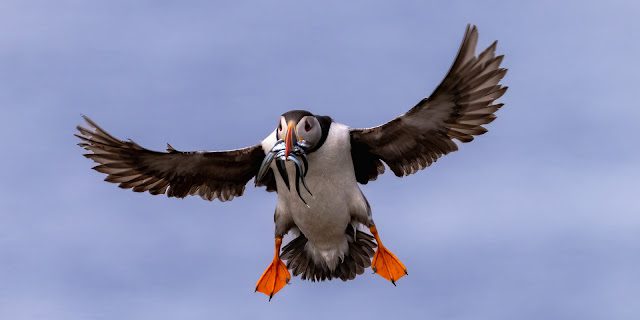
{"x":308,"y":129}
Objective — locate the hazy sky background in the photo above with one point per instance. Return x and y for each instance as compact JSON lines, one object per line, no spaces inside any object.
{"x":537,"y":219}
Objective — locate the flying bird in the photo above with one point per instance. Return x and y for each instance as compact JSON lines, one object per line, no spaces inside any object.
{"x":316,"y":165}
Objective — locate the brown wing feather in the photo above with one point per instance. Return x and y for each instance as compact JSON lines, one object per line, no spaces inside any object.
{"x":457,"y":109}
{"x":221,"y":174}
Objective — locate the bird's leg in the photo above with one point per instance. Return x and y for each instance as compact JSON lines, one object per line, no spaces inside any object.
{"x":385,"y":263}
{"x":276,"y":276}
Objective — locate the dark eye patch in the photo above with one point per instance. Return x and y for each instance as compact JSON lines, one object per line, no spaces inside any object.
{"x":307,"y":125}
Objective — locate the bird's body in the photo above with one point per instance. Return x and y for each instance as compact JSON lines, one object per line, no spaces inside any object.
{"x":334,"y":203}
{"x":316,"y":166}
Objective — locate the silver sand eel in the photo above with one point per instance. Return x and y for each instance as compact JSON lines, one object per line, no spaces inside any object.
{"x":297,"y":155}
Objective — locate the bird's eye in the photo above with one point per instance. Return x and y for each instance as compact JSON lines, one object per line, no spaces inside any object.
{"x":307,"y":125}
{"x":280,"y":127}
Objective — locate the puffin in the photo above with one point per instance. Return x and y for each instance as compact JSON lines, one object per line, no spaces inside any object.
{"x":316,"y":166}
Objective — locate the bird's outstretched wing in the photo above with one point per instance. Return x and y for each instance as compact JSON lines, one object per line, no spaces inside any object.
{"x":221,"y":174}
{"x":457,"y":109}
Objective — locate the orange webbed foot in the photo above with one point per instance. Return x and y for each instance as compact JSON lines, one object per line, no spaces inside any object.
{"x":385,"y":263}
{"x":275,"y":277}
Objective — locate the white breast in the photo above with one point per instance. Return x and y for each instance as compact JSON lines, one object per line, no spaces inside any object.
{"x":336,"y":194}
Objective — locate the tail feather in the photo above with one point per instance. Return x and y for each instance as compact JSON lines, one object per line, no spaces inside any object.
{"x":357,"y":259}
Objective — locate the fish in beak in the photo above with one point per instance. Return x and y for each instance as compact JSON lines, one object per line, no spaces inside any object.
{"x":289,"y":149}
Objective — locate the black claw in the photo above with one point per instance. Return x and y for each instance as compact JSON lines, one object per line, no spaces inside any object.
{"x":394,"y":283}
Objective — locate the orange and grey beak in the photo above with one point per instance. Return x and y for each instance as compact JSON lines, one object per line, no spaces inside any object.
{"x":288,"y":141}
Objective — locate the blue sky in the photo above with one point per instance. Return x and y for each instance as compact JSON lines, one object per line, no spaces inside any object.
{"x":537,"y":219}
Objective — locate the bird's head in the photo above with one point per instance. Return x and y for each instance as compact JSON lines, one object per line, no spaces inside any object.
{"x":299,"y":133}
{"x":299,"y":128}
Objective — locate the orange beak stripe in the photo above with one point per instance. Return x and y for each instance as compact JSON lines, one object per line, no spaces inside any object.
{"x":288,"y":139}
